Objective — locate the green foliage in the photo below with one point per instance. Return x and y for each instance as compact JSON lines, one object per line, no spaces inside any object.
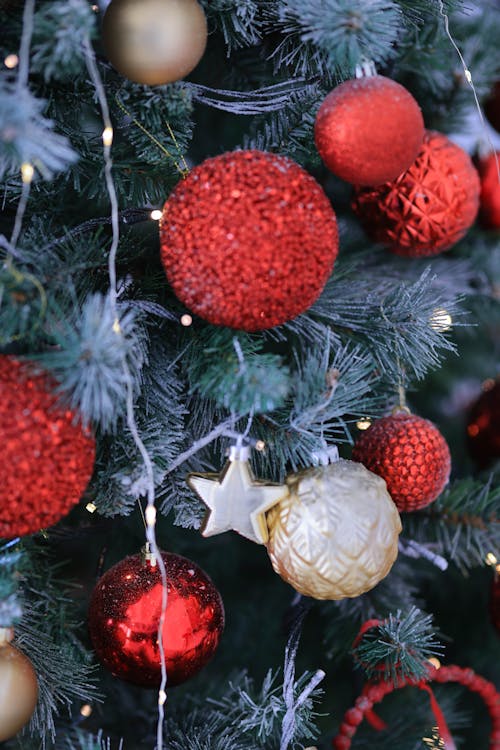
{"x":239,"y":21}
{"x":11,"y":563}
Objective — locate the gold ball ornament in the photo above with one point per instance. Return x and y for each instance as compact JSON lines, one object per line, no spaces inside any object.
{"x":154,"y":41}
{"x":18,"y":690}
{"x":335,"y":534}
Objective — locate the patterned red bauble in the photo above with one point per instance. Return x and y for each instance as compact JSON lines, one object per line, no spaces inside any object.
{"x":47,"y":458}
{"x":492,"y":107}
{"x":411,"y":455}
{"x":125,"y":612}
{"x":248,"y":240}
{"x":369,"y":130}
{"x":429,"y":207}
{"x":495,"y":602}
{"x":483,"y":427}
{"x":488,"y":169}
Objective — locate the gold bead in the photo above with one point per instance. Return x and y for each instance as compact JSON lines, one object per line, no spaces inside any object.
{"x":154,"y":41}
{"x":18,"y":691}
{"x":335,"y":534}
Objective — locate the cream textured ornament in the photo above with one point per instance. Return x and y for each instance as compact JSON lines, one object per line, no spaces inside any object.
{"x":335,"y":534}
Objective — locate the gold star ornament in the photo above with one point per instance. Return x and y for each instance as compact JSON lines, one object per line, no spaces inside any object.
{"x":235,"y":499}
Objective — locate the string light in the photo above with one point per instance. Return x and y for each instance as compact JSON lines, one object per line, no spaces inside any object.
{"x":86,"y":710}
{"x":151,"y":515}
{"x":116,"y":327}
{"x":435,"y":662}
{"x":491,"y":559}
{"x":364,"y":424}
{"x":260,"y":445}
{"x":156,"y":214}
{"x":11,"y":61}
{"x":27,"y":172}
{"x":440,"y":320}
{"x":162,"y":697}
{"x":186,"y":320}
{"x":91,"y":507}
{"x":107,"y":136}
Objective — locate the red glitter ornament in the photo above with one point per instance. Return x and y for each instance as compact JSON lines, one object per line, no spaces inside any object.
{"x":47,"y":459}
{"x":429,"y":207}
{"x":125,"y":612}
{"x":495,"y":602}
{"x":248,"y":240}
{"x":369,"y":130}
{"x":489,"y":212}
{"x":492,"y":107}
{"x":483,"y":427}
{"x":411,"y":455}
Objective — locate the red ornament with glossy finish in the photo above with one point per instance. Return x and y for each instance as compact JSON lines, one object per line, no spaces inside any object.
{"x":47,"y":458}
{"x":369,"y":130}
{"x":488,"y":168}
{"x":125,"y":612}
{"x":429,"y":207}
{"x":483,"y":427}
{"x":411,"y":455}
{"x":248,"y":240}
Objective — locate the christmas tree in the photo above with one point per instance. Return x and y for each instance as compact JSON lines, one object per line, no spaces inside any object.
{"x":250,"y":331}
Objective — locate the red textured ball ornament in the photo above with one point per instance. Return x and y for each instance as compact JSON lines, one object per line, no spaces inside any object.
{"x":429,"y":207}
{"x":125,"y":612}
{"x":47,"y":457}
{"x":483,"y":427}
{"x":488,"y":168}
{"x":248,"y":240}
{"x":369,"y":130}
{"x":411,"y":455}
{"x":492,"y":107}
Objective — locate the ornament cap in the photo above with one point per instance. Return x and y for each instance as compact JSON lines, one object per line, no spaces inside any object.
{"x":6,"y":636}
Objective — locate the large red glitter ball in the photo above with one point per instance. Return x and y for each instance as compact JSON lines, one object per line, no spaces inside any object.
{"x":125,"y":612}
{"x":483,"y":427}
{"x":47,"y":458}
{"x":411,"y":455}
{"x":248,"y":240}
{"x":495,"y":602}
{"x":369,"y":130}
{"x":492,"y":107}
{"x":429,"y":207}
{"x":489,"y":174}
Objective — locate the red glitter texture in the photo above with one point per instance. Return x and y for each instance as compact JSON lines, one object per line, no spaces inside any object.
{"x":429,"y":207}
{"x":489,"y":212}
{"x":125,"y":612}
{"x":47,"y":458}
{"x":495,"y":602}
{"x":483,"y":427}
{"x":492,"y":107}
{"x":369,"y":130}
{"x":248,"y":240}
{"x":410,"y":454}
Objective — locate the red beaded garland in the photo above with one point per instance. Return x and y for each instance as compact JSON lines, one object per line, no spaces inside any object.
{"x":489,"y":212}
{"x":428,"y":208}
{"x":124,"y":615}
{"x":483,"y":427}
{"x":369,"y":130}
{"x":47,"y":458}
{"x":411,"y":455}
{"x":375,"y":692}
{"x":248,"y":240}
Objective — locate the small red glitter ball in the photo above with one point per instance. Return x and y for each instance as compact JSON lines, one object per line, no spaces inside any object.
{"x":125,"y":612}
{"x":248,"y":240}
{"x":483,"y":427}
{"x":429,"y":207}
{"x":495,"y":602}
{"x":492,"y":107}
{"x":369,"y":130}
{"x":411,"y":455}
{"x":47,"y":457}
{"x":488,"y":169}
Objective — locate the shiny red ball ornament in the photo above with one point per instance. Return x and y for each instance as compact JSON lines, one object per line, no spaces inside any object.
{"x":411,"y":455}
{"x":248,"y":240}
{"x":483,"y":427}
{"x":489,"y":212}
{"x":495,"y":602}
{"x":369,"y":130}
{"x":47,"y":457}
{"x":429,"y":207}
{"x":492,"y":107}
{"x":125,"y":612}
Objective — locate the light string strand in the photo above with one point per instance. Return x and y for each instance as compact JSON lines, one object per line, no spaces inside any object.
{"x":150,"y":514}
